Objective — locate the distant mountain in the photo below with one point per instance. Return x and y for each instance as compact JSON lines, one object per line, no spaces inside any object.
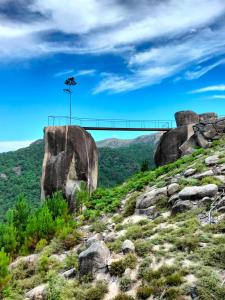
{"x":115,"y":143}
{"x":20,"y":170}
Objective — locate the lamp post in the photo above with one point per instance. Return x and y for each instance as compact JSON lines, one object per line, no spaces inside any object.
{"x":69,"y":82}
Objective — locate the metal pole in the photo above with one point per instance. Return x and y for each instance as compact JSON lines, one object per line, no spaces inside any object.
{"x":70,"y":105}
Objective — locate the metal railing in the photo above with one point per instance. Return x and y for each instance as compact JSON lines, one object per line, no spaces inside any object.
{"x":110,"y":124}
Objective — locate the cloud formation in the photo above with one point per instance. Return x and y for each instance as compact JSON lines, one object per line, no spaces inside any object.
{"x":157,"y":39}
{"x":211,"y":88}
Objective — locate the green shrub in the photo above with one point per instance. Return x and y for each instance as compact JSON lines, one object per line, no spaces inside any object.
{"x":117,"y":268}
{"x":40,"y":245}
{"x":130,"y":261}
{"x":130,"y":205}
{"x":57,"y":206}
{"x":187,"y":243}
{"x":172,"y":293}
{"x":144,"y":292}
{"x":98,"y":226}
{"x":174,"y":279}
{"x":214,"y":256}
{"x":55,"y":284}
{"x":8,"y":238}
{"x":123,"y":297}
{"x":97,"y":292}
{"x":4,"y":272}
{"x":210,"y":180}
{"x":143,"y":247}
{"x":125,"y":284}
{"x":82,"y":198}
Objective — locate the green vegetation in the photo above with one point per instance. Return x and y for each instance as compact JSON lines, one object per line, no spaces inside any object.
{"x":115,"y":166}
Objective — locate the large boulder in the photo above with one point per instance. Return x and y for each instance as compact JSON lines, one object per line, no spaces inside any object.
{"x":192,"y":131}
{"x":186,"y":117}
{"x":170,"y":145}
{"x":70,"y":159}
{"x":198,"y":192}
{"x":94,"y":259}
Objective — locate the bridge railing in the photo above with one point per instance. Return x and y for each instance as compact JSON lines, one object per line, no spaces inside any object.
{"x":109,"y":123}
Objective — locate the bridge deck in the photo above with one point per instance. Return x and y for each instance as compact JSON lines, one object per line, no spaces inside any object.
{"x":126,"y":128}
{"x":112,"y":124}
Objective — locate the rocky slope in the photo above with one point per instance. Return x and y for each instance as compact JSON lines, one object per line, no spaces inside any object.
{"x":161,"y":235}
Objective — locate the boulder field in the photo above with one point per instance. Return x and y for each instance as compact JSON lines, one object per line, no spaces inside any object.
{"x":193,"y":130}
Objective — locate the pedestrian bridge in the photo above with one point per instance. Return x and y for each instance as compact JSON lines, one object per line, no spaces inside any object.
{"x":112,"y":124}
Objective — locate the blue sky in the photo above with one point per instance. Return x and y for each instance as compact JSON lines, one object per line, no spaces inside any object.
{"x":132,"y":59}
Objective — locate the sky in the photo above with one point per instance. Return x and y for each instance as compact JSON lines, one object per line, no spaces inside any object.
{"x":131,"y":59}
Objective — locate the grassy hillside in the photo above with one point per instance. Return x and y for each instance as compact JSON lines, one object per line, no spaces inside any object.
{"x":115,"y":166}
{"x":175,"y":256}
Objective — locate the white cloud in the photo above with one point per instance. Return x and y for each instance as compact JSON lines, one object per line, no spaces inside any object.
{"x":179,"y":35}
{"x":6,"y":146}
{"x":212,"y":88}
{"x":218,"y":97}
{"x":86,"y":72}
{"x":63,"y":73}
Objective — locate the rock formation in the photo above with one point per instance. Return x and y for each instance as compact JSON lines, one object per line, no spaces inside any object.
{"x":70,"y":159}
{"x":192,"y":131}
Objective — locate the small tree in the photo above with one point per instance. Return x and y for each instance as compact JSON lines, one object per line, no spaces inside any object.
{"x":4,"y":272}
{"x":144,"y":166}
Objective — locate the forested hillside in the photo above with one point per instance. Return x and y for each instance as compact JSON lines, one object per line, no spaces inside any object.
{"x":20,"y":170}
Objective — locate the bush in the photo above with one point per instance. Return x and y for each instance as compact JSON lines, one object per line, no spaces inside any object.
{"x":174,"y":279}
{"x":123,"y":297}
{"x":130,"y":261}
{"x":144,"y":292}
{"x":117,"y":268}
{"x":172,"y":293}
{"x":97,"y":292}
{"x":4,"y":272}
{"x":125,"y":284}
{"x":210,"y":180}
{"x":130,"y":205}
{"x":98,"y":226}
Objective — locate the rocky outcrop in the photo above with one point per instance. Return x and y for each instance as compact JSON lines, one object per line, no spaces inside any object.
{"x":70,"y":159}
{"x":94,"y":259}
{"x":192,"y":131}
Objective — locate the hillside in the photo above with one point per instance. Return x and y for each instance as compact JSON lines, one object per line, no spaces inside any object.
{"x":20,"y":170}
{"x":160,"y":235}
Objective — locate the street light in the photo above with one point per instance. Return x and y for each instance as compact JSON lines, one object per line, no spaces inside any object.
{"x":69,"y":82}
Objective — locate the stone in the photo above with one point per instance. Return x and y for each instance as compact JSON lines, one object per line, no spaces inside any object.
{"x":128,"y":246}
{"x":189,"y":172}
{"x":37,"y":293}
{"x":97,"y":237}
{"x":94,"y":259}
{"x":17,"y":170}
{"x":3,"y":176}
{"x":204,"y":174}
{"x":69,"y":273}
{"x":27,"y":260}
{"x":221,"y":209}
{"x":181,"y":206}
{"x":221,"y":203}
{"x":210,"y":116}
{"x":198,"y":192}
{"x":168,"y":149}
{"x":150,"y":198}
{"x":186,"y":117}
{"x":206,"y":201}
{"x":172,"y":188}
{"x":151,"y":212}
{"x":173,"y":199}
{"x":59,"y":257}
{"x":70,"y":159}
{"x":212,"y":160}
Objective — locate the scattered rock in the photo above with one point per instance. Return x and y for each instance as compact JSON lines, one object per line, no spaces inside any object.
{"x":128,"y":246}
{"x":59,"y":257}
{"x":173,"y":199}
{"x":189,"y":172}
{"x":17,"y":170}
{"x":94,"y":259}
{"x":212,"y":160}
{"x":28,"y":260}
{"x":134,"y":219}
{"x":69,"y":273}
{"x":198,"y":192}
{"x":150,"y":198}
{"x":206,"y":201}
{"x":3,"y":176}
{"x":38,"y":293}
{"x":97,"y":237}
{"x":172,"y":188}
{"x":204,"y":174}
{"x":181,"y":206}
